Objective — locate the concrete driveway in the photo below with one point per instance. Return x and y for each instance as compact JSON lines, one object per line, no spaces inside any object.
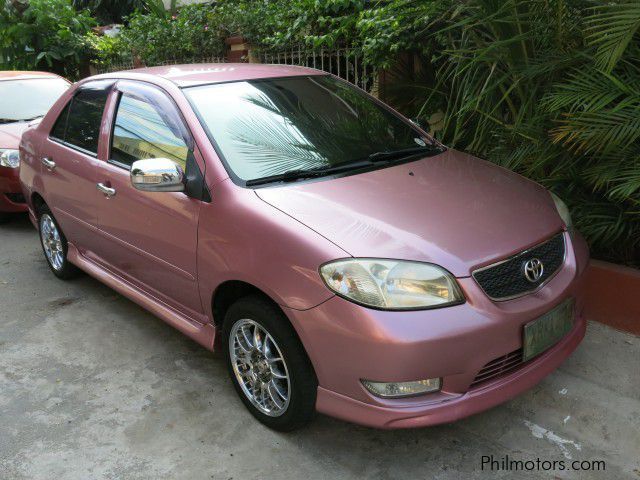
{"x":92,"y":386}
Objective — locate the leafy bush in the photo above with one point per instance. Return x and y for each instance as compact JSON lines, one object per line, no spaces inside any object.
{"x":380,"y":29}
{"x":193,"y":32}
{"x":44,"y":34}
{"x":278,"y":23}
{"x":551,"y":89}
{"x":107,"y":51}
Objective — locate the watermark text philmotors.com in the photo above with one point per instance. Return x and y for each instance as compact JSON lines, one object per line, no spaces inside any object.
{"x":511,"y":464}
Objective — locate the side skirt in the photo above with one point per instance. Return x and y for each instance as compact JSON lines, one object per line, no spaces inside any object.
{"x":203,"y":334}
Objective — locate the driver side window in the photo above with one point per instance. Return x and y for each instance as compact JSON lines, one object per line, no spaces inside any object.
{"x":140,"y":131}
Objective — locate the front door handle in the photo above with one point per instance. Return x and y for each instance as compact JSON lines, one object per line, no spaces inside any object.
{"x":48,"y":163}
{"x":109,"y":192}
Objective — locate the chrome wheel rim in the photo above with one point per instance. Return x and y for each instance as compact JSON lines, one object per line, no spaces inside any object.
{"x":259,"y":367}
{"x":51,"y":242}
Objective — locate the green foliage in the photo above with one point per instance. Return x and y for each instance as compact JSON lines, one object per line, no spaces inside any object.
{"x":193,"y":32}
{"x":551,"y":89}
{"x":393,"y":27}
{"x":611,"y":29}
{"x":278,"y":23}
{"x":379,"y":29}
{"x":106,"y":51}
{"x":45,"y":35}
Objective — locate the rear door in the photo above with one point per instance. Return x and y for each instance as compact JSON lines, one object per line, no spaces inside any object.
{"x":69,"y":163}
{"x":150,"y":238}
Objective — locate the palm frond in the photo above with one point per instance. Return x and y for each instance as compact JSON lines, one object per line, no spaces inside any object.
{"x":599,"y":132}
{"x":610,"y":29}
{"x":521,"y":89}
{"x":591,"y":90}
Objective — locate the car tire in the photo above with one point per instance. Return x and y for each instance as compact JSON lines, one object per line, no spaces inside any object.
{"x":4,"y":217}
{"x":283,"y":404}
{"x":54,"y":246}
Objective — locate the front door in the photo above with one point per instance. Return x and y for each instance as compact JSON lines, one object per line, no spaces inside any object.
{"x":149,"y":238}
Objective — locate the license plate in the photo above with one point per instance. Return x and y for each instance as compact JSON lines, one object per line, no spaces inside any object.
{"x":547,"y":330}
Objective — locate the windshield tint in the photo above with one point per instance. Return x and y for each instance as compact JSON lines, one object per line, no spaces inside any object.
{"x":27,"y":99}
{"x":268,"y":127}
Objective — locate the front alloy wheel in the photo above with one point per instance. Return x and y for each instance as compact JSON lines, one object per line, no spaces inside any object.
{"x":268,"y":365}
{"x":259,"y":367}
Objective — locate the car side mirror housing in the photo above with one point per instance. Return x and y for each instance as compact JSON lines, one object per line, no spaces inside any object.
{"x":157,"y":175}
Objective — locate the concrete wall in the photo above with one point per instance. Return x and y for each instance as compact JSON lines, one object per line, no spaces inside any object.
{"x":613,"y":296}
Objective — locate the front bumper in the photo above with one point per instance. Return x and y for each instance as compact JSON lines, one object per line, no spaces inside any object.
{"x":347,"y":342}
{"x":11,"y":199}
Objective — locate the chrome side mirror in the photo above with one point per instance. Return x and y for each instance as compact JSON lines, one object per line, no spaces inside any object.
{"x":157,"y":175}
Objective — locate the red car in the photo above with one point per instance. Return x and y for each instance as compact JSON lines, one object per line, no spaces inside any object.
{"x":26,"y":96}
{"x":342,"y":259}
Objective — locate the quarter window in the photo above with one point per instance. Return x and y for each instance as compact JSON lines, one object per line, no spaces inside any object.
{"x":60,"y":126}
{"x":79,"y":123}
{"x":143,"y":130}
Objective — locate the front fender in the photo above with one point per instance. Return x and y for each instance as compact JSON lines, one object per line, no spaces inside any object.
{"x":242,"y":238}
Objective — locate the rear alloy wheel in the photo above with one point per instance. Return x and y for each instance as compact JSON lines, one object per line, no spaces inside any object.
{"x":54,"y":245}
{"x":268,"y":365}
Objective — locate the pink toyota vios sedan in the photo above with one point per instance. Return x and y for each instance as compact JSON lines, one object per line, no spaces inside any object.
{"x":342,"y":259}
{"x":24,"y":97}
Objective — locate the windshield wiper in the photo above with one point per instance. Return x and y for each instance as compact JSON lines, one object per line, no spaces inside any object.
{"x":8,"y":120}
{"x":378,"y":157}
{"x":404,"y":153}
{"x":293,"y":175}
{"x":288,"y":176}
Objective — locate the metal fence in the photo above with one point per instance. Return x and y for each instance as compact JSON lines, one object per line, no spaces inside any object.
{"x":346,"y":63}
{"x":115,"y":67}
{"x":128,"y":65}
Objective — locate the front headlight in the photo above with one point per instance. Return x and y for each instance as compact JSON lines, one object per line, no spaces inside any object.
{"x":563,"y":211}
{"x":392,"y":284}
{"x":9,"y":158}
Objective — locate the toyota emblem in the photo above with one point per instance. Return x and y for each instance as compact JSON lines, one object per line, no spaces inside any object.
{"x":533,"y":270}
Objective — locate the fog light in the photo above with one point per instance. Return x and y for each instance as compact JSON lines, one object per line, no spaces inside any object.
{"x":402,"y":389}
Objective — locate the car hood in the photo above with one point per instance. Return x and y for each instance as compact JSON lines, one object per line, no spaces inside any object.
{"x":10,"y":134}
{"x":452,"y":209}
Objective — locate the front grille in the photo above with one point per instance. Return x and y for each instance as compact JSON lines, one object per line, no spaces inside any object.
{"x":15,"y":197}
{"x":499,"y":366}
{"x":506,"y":279}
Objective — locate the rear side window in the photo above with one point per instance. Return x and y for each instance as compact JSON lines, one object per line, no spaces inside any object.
{"x":83,"y":125}
{"x":144,"y":130}
{"x":79,"y":123}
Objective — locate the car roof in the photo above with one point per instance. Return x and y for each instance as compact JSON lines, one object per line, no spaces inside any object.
{"x":24,"y":75}
{"x":205,"y":73}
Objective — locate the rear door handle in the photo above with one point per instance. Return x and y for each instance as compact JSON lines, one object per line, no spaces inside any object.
{"x":48,"y":163}
{"x":109,"y":192}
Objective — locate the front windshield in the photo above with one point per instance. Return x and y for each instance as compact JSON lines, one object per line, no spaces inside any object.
{"x":29,"y":98}
{"x":268,"y":127}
